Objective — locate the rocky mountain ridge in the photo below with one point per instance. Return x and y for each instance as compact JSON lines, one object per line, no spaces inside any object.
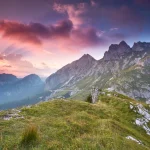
{"x":108,"y":72}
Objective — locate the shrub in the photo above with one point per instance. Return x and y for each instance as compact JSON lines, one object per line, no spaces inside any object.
{"x":30,"y":136}
{"x":89,"y":99}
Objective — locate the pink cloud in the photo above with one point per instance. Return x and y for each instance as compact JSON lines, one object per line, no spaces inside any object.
{"x":88,"y":37}
{"x":76,"y":13}
{"x":1,"y":57}
{"x":93,"y":3}
{"x":34,"y":32}
{"x":74,"y":33}
{"x":62,"y":35}
{"x":15,"y":64}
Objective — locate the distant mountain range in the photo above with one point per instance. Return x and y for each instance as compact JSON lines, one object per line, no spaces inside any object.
{"x":14,"y":89}
{"x":123,"y":68}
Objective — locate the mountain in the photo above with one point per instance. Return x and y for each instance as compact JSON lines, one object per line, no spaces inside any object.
{"x":21,"y":89}
{"x":7,"y":79}
{"x":123,"y":68}
{"x":71,"y":73}
{"x":115,"y":122}
{"x":116,"y":51}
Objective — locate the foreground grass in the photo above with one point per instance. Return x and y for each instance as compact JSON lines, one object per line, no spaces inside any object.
{"x":30,"y":136}
{"x":73,"y":125}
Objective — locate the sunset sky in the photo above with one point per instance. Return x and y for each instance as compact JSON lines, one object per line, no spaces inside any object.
{"x":41,"y":36}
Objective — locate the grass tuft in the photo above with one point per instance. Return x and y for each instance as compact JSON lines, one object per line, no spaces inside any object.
{"x":89,"y":99}
{"x":30,"y":136}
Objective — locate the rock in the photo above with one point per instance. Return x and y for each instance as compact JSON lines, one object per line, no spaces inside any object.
{"x":116,"y":51}
{"x":148,"y":102}
{"x":143,"y":121}
{"x":70,"y":73}
{"x":147,"y":61}
{"x":133,"y":139}
{"x":119,"y":69}
{"x":14,"y":114}
{"x":141,"y":46}
{"x":94,"y":94}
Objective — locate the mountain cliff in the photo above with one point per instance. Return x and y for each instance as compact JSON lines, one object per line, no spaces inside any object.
{"x":123,"y":68}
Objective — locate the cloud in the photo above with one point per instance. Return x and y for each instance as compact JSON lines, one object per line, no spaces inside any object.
{"x":6,"y":66}
{"x":63,"y":34}
{"x":93,"y":3}
{"x":1,"y":57}
{"x":76,"y":12}
{"x":113,"y":29}
{"x":88,"y":37}
{"x":34,"y":32}
{"x":45,"y":66}
{"x":14,"y":64}
{"x":104,"y":12}
{"x":80,"y":29}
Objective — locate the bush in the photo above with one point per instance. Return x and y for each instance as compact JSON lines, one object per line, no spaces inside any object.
{"x":89,"y":99}
{"x":30,"y":136}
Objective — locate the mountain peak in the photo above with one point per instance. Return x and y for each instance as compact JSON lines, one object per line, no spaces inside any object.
{"x":32,"y":76}
{"x":116,"y":51}
{"x":7,"y":78}
{"x":71,"y":73}
{"x":87,"y":57}
{"x":141,"y":46}
{"x":123,"y":43}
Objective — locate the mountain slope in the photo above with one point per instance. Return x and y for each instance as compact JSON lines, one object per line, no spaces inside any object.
{"x":134,"y":81}
{"x":109,"y":124}
{"x":119,"y":58}
{"x":71,"y":73}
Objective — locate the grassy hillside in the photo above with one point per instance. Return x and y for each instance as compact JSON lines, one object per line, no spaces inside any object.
{"x":73,"y":125}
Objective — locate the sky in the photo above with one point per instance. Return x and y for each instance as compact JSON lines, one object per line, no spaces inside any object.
{"x":41,"y":36}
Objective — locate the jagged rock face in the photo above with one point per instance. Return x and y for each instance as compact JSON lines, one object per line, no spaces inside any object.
{"x":115,"y":51}
{"x":123,"y":68}
{"x":141,"y":46}
{"x":71,"y":72}
{"x":135,"y":81}
{"x":147,"y":61}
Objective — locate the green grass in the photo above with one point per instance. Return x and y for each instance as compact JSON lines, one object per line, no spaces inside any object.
{"x":30,"y":136}
{"x":74,"y":125}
